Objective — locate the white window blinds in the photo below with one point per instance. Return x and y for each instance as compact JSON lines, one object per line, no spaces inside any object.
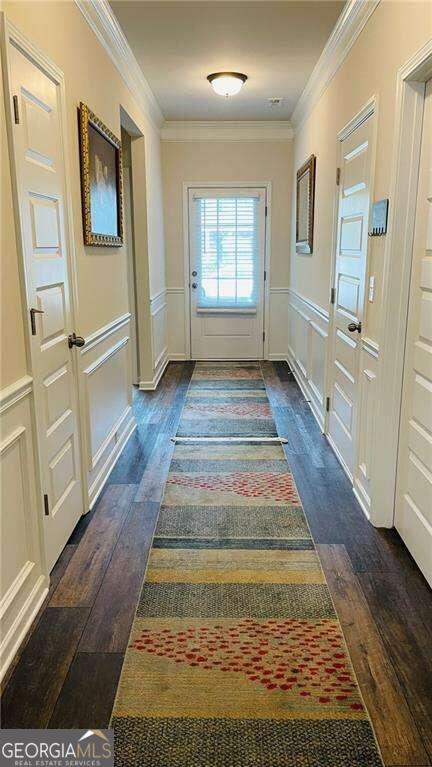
{"x":226,"y":239}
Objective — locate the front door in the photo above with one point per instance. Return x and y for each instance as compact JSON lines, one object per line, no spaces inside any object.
{"x":227,"y":243}
{"x":349,"y":282}
{"x":413,"y":514}
{"x":40,"y":183}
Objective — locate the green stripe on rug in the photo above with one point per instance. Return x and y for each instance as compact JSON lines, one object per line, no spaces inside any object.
{"x":236,"y":656}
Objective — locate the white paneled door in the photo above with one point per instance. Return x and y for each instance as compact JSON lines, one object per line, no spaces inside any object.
{"x":40,"y":183}
{"x":413,"y":513}
{"x":349,"y":286}
{"x":227,"y":245}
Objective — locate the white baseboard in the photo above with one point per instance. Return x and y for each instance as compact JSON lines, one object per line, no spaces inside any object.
{"x":177,"y":357}
{"x":17,"y":632}
{"x":102,"y":477}
{"x":277,"y":357}
{"x":152,"y":384}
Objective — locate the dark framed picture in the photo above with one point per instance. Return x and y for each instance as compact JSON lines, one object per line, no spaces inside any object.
{"x":305,"y":203}
{"x":101,"y":181}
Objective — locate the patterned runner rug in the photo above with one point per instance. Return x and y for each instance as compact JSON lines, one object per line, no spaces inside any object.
{"x":227,"y":399}
{"x":236,"y":656}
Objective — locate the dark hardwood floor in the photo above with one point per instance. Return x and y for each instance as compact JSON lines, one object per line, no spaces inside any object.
{"x":67,"y":673}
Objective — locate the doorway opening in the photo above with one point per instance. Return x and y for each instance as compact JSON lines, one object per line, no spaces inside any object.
{"x":130,"y":133}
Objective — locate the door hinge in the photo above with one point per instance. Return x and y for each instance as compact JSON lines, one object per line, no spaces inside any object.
{"x":333,"y":295}
{"x":266,"y":210}
{"x":46,"y":505}
{"x":338,"y":176}
{"x":263,"y":335}
{"x":327,"y":404}
{"x":16,"y":110}
{"x":265,"y":275}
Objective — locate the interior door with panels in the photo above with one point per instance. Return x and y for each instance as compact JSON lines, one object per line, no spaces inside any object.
{"x":40,"y":185}
{"x":349,"y":290}
{"x":413,"y":513}
{"x":227,"y":247}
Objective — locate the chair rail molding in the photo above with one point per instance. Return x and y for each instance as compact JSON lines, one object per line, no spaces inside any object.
{"x":349,"y":25}
{"x":104,"y":24}
{"x":100,"y":334}
{"x":12,"y":394}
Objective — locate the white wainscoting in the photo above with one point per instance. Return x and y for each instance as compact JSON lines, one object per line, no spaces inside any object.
{"x":277,"y":329}
{"x":308,"y":326}
{"x":159,"y":340}
{"x":105,"y":400}
{"x":369,"y":362}
{"x":24,"y":581}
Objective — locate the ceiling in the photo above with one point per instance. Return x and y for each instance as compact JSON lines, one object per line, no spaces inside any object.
{"x":178,"y":43}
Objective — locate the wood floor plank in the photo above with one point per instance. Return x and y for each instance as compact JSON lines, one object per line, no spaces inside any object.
{"x":32,"y":691}
{"x":407,"y":642}
{"x":109,"y":624}
{"x":75,"y":707}
{"x":83,"y":576}
{"x":153,"y":480}
{"x":395,"y":727}
{"x":274,"y":387}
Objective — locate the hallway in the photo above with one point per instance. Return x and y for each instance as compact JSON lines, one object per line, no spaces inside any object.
{"x":68,"y":671}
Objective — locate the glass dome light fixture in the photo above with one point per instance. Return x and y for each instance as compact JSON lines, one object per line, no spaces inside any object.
{"x":227,"y":83}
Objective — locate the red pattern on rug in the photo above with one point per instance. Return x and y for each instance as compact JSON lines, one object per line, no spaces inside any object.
{"x":253,"y":410}
{"x":306,"y":657}
{"x":276,"y":487}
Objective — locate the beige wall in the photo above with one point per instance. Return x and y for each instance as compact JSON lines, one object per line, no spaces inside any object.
{"x":60,"y":31}
{"x":395,"y":32}
{"x":210,"y":161}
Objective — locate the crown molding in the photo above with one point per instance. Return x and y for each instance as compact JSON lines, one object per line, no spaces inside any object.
{"x":227,"y":130}
{"x":104,"y":24}
{"x":348,"y":27}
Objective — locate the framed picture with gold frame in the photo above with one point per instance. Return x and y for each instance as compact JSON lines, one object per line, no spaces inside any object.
{"x":305,"y":203}
{"x":101,"y":181}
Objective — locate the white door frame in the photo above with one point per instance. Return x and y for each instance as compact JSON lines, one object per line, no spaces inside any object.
{"x":368,"y":111}
{"x":186,"y":251}
{"x":411,"y":80}
{"x":10,"y":35}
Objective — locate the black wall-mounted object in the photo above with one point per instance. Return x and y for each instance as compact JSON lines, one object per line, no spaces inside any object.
{"x":379,"y":218}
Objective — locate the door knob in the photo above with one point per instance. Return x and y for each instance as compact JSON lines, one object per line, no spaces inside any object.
{"x":74,"y":340}
{"x":194,"y":285}
{"x":353,"y":326}
{"x":194,"y":273}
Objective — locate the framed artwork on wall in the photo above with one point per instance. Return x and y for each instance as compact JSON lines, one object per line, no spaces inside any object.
{"x":305,"y":201}
{"x":101,"y":181}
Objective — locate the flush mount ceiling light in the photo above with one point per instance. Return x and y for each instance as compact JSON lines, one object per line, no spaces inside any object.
{"x":227,"y":83}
